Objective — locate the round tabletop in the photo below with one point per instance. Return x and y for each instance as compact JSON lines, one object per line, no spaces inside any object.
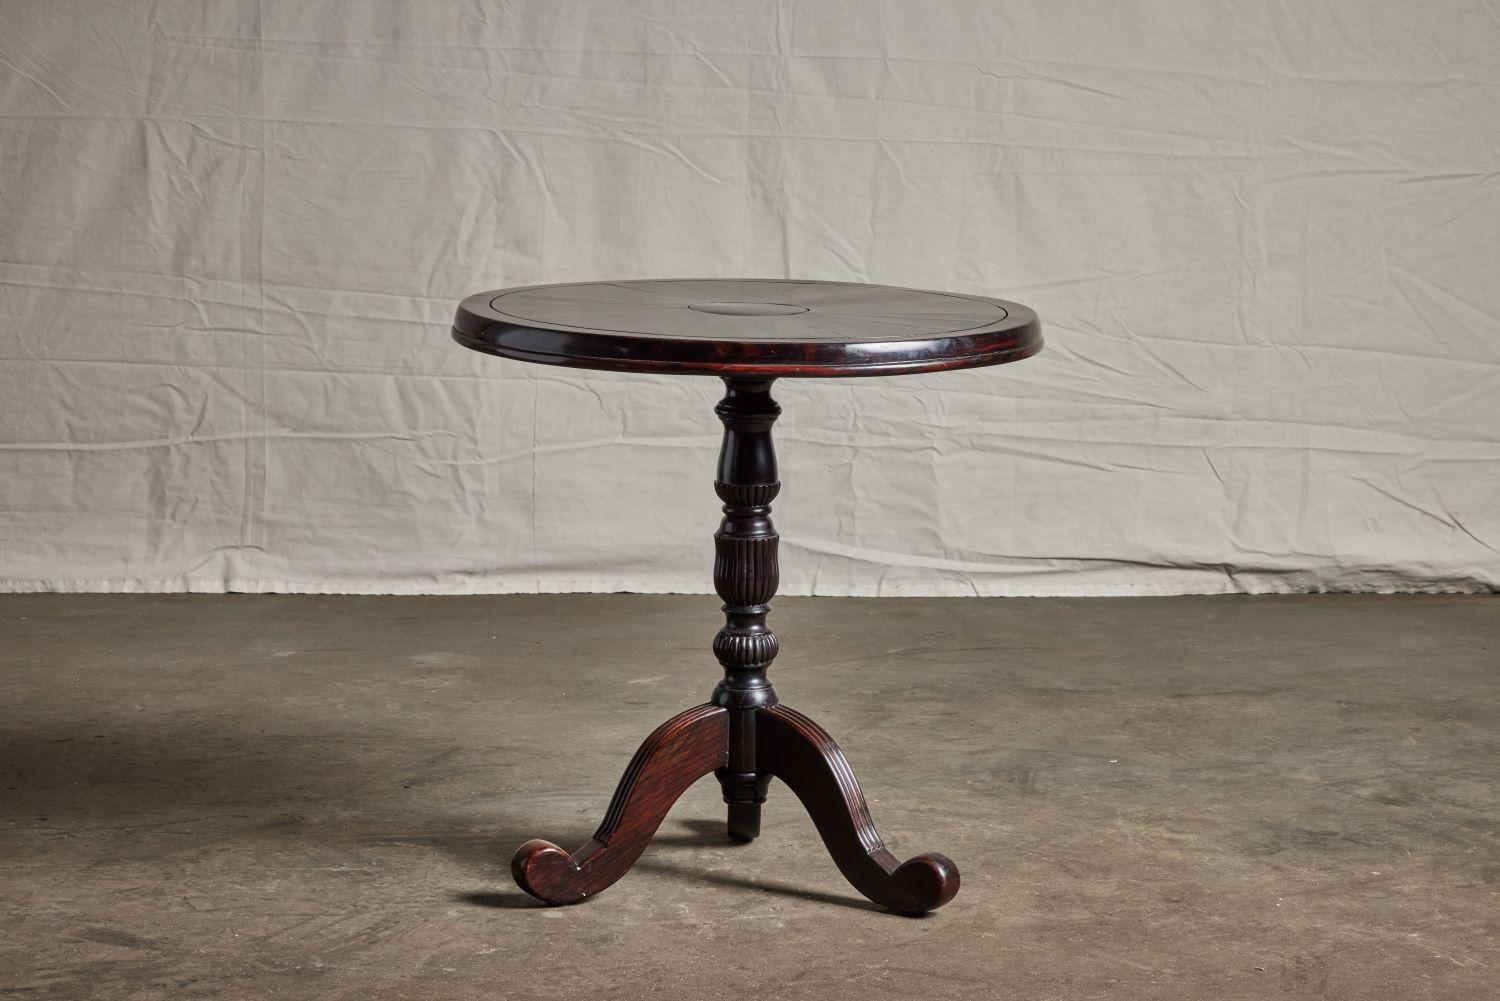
{"x":747,"y":327}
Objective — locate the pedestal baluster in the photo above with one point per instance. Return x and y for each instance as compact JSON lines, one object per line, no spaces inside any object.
{"x":745,"y":576}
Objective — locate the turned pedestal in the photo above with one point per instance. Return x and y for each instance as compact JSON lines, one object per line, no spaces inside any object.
{"x":749,"y":333}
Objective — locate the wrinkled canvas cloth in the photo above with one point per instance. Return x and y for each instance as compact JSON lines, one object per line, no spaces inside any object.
{"x":1264,"y":240}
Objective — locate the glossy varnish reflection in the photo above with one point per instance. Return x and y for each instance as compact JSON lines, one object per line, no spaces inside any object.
{"x":748,"y":332}
{"x":755,"y":328}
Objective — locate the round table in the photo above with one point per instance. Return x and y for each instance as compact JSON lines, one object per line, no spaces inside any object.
{"x":749,"y":332}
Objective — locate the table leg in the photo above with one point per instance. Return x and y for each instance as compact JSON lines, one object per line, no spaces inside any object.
{"x":800,"y":753}
{"x":678,"y":753}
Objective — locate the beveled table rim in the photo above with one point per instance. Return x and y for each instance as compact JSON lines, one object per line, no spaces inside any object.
{"x":479,"y":326}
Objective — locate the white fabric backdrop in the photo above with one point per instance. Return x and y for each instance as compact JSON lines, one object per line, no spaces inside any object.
{"x":1264,"y":239}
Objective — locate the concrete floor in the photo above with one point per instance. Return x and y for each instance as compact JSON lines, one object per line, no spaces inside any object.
{"x":317,"y":797}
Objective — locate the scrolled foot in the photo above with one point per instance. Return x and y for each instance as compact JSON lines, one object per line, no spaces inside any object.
{"x":547,"y":872}
{"x":923,"y":883}
{"x":678,"y":753}
{"x":802,"y":754}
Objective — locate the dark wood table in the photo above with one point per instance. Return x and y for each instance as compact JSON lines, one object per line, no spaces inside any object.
{"x":749,"y":333}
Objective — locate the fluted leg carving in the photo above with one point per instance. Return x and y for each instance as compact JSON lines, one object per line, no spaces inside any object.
{"x":800,"y":753}
{"x":680,"y":752}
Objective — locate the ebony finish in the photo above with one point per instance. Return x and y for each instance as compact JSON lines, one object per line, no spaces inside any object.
{"x":746,"y":574}
{"x":747,"y":327}
{"x":748,"y":332}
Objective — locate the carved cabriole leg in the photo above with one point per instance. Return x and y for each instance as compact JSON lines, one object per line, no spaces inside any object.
{"x":802,"y":754}
{"x":745,"y":576}
{"x":680,"y":752}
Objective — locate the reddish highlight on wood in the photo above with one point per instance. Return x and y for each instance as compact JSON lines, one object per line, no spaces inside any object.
{"x":684,"y":327}
{"x":678,"y":753}
{"x":749,"y":332}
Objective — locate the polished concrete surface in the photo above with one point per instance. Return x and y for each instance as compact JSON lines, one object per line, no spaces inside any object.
{"x":317,"y":797}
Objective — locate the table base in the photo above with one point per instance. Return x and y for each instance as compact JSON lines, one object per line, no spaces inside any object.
{"x":743,"y":735}
{"x":790,"y":747}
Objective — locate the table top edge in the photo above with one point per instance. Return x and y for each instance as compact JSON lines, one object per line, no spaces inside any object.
{"x":476,"y":325}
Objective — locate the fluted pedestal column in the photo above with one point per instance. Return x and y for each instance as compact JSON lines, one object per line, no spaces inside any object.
{"x":745,"y":576}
